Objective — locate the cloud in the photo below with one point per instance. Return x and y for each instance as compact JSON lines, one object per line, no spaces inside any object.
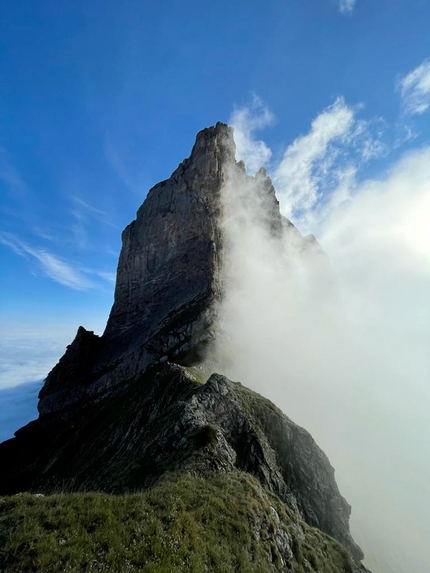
{"x":18,"y":406}
{"x":342,"y":346}
{"x":309,"y":158}
{"x":346,"y":6}
{"x":105,"y":275}
{"x":52,"y":266}
{"x":246,"y":121}
{"x":415,"y":89}
{"x":29,"y":352}
{"x":84,"y":210}
{"x":59,"y":270}
{"x":393,"y":209}
{"x":318,"y":163}
{"x":82,"y":229}
{"x":378,"y":243}
{"x":87,"y":207}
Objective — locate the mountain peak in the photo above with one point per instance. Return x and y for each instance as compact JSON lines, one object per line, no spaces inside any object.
{"x":120,"y":410}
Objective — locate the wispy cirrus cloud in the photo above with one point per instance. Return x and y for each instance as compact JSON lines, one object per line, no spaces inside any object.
{"x":59,"y":270}
{"x":53,"y":267}
{"x":83,"y":213}
{"x":84,"y":220}
{"x":87,"y":207}
{"x":85,"y":210}
{"x":107,"y":276}
{"x":415,"y":89}
{"x":118,"y":165}
{"x":346,"y":6}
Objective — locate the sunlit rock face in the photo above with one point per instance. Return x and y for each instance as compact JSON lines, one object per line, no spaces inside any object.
{"x":119,"y":411}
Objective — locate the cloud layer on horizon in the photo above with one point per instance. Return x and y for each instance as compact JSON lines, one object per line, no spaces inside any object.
{"x":30,"y":350}
{"x":18,"y":405}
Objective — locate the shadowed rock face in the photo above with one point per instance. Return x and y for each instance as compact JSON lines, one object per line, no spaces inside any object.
{"x":168,"y":279}
{"x":169,"y":421}
{"x":120,"y":410}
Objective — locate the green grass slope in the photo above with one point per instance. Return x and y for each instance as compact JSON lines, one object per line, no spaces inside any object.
{"x":220,"y":523}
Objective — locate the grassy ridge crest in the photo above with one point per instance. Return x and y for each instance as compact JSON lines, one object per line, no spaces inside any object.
{"x":220,"y":522}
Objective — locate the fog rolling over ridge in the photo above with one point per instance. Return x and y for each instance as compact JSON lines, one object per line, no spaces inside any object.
{"x":339,"y":341}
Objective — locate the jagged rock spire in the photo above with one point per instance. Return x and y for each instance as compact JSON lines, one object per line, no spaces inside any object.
{"x":168,"y":277}
{"x":167,"y":280}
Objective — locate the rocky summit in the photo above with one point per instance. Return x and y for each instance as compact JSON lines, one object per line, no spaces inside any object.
{"x":138,"y":411}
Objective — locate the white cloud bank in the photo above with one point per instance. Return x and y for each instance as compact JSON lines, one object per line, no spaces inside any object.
{"x":415,"y":89}
{"x":342,"y":347}
{"x":18,"y":406}
{"x":317,"y":171}
{"x":307,"y":161}
{"x":372,"y":370}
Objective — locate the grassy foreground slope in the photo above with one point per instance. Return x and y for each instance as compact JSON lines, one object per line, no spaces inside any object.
{"x":170,"y":421}
{"x":221,"y":523}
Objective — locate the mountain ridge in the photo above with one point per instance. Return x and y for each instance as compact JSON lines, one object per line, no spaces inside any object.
{"x":119,"y":411}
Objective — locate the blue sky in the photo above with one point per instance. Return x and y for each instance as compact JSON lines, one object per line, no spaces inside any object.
{"x":101,"y":100}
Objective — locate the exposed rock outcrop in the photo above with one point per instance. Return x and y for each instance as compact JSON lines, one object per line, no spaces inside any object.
{"x":168,"y":278}
{"x":169,"y":420}
{"x":119,"y":411}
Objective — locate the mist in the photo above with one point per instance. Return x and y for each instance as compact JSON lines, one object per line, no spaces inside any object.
{"x":339,"y":338}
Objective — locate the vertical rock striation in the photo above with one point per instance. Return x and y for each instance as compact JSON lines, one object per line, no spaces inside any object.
{"x":167,"y":281}
{"x":169,"y":276}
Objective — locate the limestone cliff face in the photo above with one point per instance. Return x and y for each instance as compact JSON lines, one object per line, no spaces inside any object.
{"x":170,"y":257}
{"x":119,"y":411}
{"x":168,"y":279}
